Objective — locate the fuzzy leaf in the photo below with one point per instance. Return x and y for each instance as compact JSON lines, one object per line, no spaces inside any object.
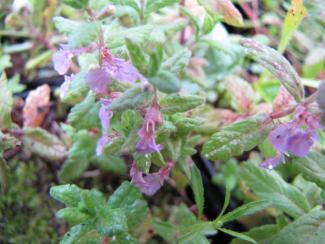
{"x":72,"y":215}
{"x":268,"y":185}
{"x":65,"y":25}
{"x":68,"y":194}
{"x":236,"y":138}
{"x":77,"y":89}
{"x":312,"y":167}
{"x":175,"y":103}
{"x":138,"y":57}
{"x":79,"y":155}
{"x":277,"y":65}
{"x":166,"y":82}
{"x":131,"y":98}
{"x":85,"y":114}
{"x":177,"y":62}
{"x":238,"y":235}
{"x":84,"y":34}
{"x":309,"y":228}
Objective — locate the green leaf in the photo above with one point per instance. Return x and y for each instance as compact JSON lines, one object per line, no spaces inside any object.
{"x":138,"y":56}
{"x":236,"y":138}
{"x":78,"y":4}
{"x":82,"y":233}
{"x":165,"y":229}
{"x":177,"y":62}
{"x":198,"y":190}
{"x":111,"y":222}
{"x":129,"y":198}
{"x":109,"y":163}
{"x":244,"y":210}
{"x":238,"y":235}
{"x":79,"y":155}
{"x":72,"y":215}
{"x":85,"y":114}
{"x":224,"y":207}
{"x":65,"y":25}
{"x":84,"y":34}
{"x":5,"y":62}
{"x":44,"y":144}
{"x":277,"y":65}
{"x":294,"y":16}
{"x":312,"y":167}
{"x":14,"y":86}
{"x":165,"y":82}
{"x":268,"y":185}
{"x":131,"y":98}
{"x":6,"y":102}
{"x":77,"y":89}
{"x":263,"y":234}
{"x":155,"y":5}
{"x":68,"y":194}
{"x":176,"y":103}
{"x":309,"y":228}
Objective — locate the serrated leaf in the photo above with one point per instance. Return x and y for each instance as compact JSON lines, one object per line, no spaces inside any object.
{"x":44,"y":144}
{"x":312,"y":167}
{"x":175,"y":103}
{"x":277,"y":65}
{"x":155,"y":5}
{"x":82,"y":233}
{"x":198,"y":190}
{"x":84,"y":34}
{"x":130,"y":3}
{"x":165,"y":82}
{"x":72,"y":215}
{"x":268,"y":185}
{"x":65,"y":25}
{"x":85,"y":114}
{"x":138,"y":56}
{"x":238,"y":235}
{"x":177,"y":62}
{"x":309,"y":228}
{"x":131,"y":98}
{"x":68,"y":194}
{"x":236,"y":138}
{"x":244,"y":210}
{"x":294,"y":16}
{"x":6,"y":102}
{"x":79,"y":155}
{"x":111,"y":222}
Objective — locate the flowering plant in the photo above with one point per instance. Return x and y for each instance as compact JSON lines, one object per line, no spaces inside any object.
{"x":167,"y":127}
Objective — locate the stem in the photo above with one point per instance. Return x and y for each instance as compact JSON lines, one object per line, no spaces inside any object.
{"x":142,"y":12}
{"x":182,"y":38}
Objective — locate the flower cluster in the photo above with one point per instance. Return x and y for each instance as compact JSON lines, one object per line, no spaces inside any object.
{"x":296,"y":137}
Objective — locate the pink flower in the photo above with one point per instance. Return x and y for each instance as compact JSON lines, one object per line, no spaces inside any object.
{"x":147,"y":142}
{"x":64,"y":88}
{"x":150,"y":183}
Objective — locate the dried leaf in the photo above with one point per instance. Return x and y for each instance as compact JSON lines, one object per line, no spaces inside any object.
{"x":37,"y":106}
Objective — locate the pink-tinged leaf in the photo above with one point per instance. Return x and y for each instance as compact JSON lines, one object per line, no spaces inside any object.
{"x":37,"y":106}
{"x":230,"y":13}
{"x":283,"y":100}
{"x":150,"y":183}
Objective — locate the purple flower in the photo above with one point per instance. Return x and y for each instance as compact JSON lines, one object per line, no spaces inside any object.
{"x":147,"y":142}
{"x":105,"y":115}
{"x":62,"y":59}
{"x":112,"y":68}
{"x":296,"y":137}
{"x":279,"y":137}
{"x":150,"y":183}
{"x":300,"y":143}
{"x":271,"y":163}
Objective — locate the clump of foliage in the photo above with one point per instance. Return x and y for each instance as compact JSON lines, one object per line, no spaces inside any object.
{"x":152,"y":95}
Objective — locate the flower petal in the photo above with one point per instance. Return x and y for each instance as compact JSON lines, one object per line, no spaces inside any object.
{"x":98,"y":80}
{"x":300,"y":143}
{"x":62,"y":61}
{"x":271,"y":163}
